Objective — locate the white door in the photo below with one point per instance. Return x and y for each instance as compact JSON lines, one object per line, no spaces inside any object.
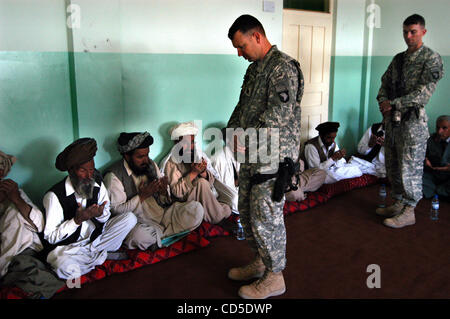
{"x":307,"y":38}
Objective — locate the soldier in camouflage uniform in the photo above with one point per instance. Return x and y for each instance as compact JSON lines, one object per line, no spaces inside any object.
{"x":270,"y":98}
{"x":406,"y":88}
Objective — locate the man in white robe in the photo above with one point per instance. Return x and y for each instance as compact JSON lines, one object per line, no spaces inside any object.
{"x":371,"y":152}
{"x":136,"y":185}
{"x":226,"y":163}
{"x":20,"y":219}
{"x":324,"y":153}
{"x":191,"y":175}
{"x":79,"y":231}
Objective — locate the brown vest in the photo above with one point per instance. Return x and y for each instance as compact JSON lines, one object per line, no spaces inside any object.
{"x":315,"y":142}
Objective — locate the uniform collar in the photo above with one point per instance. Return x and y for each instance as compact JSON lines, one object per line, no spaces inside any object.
{"x":415,"y":54}
{"x":260,"y":65}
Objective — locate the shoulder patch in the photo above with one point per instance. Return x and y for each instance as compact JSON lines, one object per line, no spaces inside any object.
{"x":284,"y":96}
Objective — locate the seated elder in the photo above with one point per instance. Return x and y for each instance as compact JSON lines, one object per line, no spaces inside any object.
{"x":226,"y":163}
{"x":370,"y":158}
{"x":191,"y":175}
{"x":20,"y":219}
{"x":323,"y":152}
{"x":79,"y":229}
{"x":436,"y":175}
{"x":136,"y":185}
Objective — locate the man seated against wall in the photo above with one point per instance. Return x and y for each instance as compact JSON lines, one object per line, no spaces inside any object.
{"x":226,"y":163}
{"x":135,"y":184}
{"x":436,"y":175}
{"x":323,"y":152}
{"x":79,"y":229}
{"x":370,"y":157}
{"x":191,"y":175}
{"x":20,"y":219}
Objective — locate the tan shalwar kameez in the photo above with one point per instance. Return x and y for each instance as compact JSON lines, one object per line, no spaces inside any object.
{"x":200,"y":189}
{"x":176,"y":218}
{"x":17,"y":234}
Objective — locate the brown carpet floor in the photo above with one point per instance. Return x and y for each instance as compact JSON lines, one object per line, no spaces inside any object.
{"x":328,"y":250}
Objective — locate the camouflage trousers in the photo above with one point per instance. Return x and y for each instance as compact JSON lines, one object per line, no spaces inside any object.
{"x":262,"y":220}
{"x":405,"y":148}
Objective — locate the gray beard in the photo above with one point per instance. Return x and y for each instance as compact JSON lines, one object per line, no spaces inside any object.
{"x":84,"y":188}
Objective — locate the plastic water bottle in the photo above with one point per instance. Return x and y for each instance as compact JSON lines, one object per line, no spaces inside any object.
{"x":240,"y":230}
{"x":382,"y":195}
{"x":434,"y":213}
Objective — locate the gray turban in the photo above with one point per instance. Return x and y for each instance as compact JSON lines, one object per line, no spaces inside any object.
{"x":128,"y":142}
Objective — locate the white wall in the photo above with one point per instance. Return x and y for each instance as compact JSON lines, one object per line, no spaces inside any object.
{"x":350,"y":17}
{"x":388,"y":39}
{"x":33,"y":25}
{"x":131,"y":26}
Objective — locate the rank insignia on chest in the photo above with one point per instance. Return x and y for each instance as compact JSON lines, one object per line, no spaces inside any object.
{"x":284,"y":96}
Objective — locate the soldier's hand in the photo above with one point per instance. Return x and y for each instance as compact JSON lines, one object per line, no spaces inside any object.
{"x":443,"y":168}
{"x":428,"y":163}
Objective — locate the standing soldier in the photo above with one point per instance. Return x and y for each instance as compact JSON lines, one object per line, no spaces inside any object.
{"x":270,"y":99}
{"x":406,"y":87}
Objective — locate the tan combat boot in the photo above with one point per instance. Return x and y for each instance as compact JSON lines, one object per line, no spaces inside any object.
{"x":406,"y":218}
{"x":271,"y":284}
{"x":390,"y":211}
{"x":253,"y":270}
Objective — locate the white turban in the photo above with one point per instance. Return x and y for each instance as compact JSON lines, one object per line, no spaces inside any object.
{"x":183,"y":129}
{"x":6,"y":161}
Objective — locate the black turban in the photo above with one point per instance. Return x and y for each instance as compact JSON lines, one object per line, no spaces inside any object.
{"x":79,"y":152}
{"x":128,"y":142}
{"x":327,"y":127}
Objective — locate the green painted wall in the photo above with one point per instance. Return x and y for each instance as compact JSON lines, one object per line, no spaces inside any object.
{"x":119,"y":91}
{"x":162,"y":89}
{"x":114,"y":93}
{"x":345,"y":98}
{"x":36,"y":119}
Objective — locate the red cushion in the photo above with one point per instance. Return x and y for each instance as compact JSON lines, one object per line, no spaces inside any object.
{"x":197,"y":238}
{"x":137,"y":259}
{"x":324,"y":193}
{"x":346,"y":185}
{"x":312,"y":199}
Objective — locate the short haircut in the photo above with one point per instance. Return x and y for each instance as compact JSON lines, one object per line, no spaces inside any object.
{"x":414,"y":19}
{"x":443,"y":118}
{"x":245,"y":23}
